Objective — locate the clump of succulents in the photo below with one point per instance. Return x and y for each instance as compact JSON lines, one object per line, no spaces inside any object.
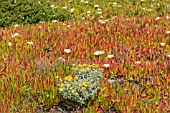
{"x":82,"y":85}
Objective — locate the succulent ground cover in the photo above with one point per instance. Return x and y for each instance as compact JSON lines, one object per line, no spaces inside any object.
{"x":106,"y":63}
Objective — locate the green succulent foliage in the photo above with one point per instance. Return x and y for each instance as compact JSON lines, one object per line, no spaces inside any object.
{"x":29,"y":12}
{"x":63,"y":15}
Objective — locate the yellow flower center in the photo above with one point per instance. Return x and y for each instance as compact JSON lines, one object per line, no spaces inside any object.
{"x":72,"y":91}
{"x":68,"y":85}
{"x":61,"y":89}
{"x":68,"y":78}
{"x":85,"y":84}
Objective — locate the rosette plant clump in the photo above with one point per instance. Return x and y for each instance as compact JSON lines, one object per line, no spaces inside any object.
{"x":82,"y":85}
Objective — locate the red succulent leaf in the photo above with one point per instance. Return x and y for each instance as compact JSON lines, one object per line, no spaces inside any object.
{"x":161,"y":105}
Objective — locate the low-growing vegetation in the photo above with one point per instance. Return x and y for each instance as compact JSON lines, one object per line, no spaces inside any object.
{"x":92,"y":57}
{"x":23,"y":12}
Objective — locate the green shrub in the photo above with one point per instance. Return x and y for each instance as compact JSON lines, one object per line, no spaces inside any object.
{"x":29,"y":12}
{"x":63,"y":15}
{"x":81,"y":87}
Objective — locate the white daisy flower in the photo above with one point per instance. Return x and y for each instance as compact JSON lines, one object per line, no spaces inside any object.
{"x":138,"y":62}
{"x":14,"y":35}
{"x":96,"y":6}
{"x":106,"y":65}
{"x":114,"y":3}
{"x":83,"y":18}
{"x":88,"y":11}
{"x":9,"y":44}
{"x":53,"y":21}
{"x":72,"y":10}
{"x":98,"y":9}
{"x":162,"y":44}
{"x":168,"y":56}
{"x":16,"y":25}
{"x":42,"y":22}
{"x":67,"y":51}
{"x":99,"y":53}
{"x":65,"y":7}
{"x":167,"y":32}
{"x":102,"y":22}
{"x":157,"y":18}
{"x":52,"y":6}
{"x":110,"y":56}
{"x":30,"y":43}
{"x":99,"y":12}
{"x":86,"y":2}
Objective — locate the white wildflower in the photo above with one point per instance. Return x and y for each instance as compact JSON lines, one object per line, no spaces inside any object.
{"x":65,"y":7}
{"x":72,"y":10}
{"x":52,"y":6}
{"x":98,"y":9}
{"x":143,"y":8}
{"x":88,"y":11}
{"x":110,"y":56}
{"x":68,"y":25}
{"x":86,"y":2}
{"x":157,"y":18}
{"x":83,"y":18}
{"x":82,"y":0}
{"x":99,"y":53}
{"x":42,"y":22}
{"x":168,"y":56}
{"x":53,"y":21}
{"x":102,"y":22}
{"x":149,"y":9}
{"x":99,"y":12}
{"x":167,"y":32}
{"x":14,"y":35}
{"x":114,"y":3}
{"x":67,"y":51}
{"x":138,"y":62}
{"x":30,"y":43}
{"x":162,"y":44}
{"x":152,"y":5}
{"x":16,"y":25}
{"x":9,"y":44}
{"x":106,"y":65}
{"x":96,"y":6}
